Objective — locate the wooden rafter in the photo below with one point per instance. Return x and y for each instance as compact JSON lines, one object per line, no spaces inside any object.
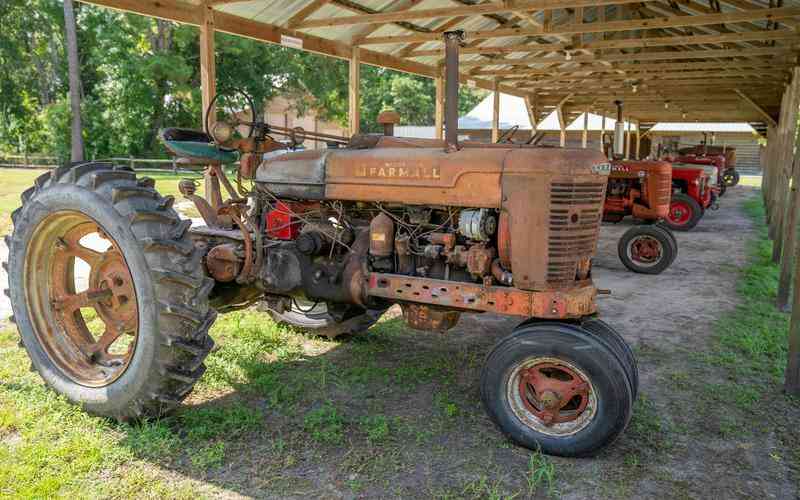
{"x":627,"y":43}
{"x":770,"y":120}
{"x":467,"y":10}
{"x":608,"y":26}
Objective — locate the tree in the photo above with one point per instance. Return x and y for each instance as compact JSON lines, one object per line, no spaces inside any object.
{"x":71,"y":32}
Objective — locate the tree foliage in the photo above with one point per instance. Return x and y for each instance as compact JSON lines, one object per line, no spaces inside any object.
{"x":141,"y":74}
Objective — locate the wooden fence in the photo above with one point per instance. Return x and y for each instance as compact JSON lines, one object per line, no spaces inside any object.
{"x":8,"y":160}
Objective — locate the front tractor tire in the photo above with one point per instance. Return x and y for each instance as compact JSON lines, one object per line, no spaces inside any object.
{"x":559,"y":388}
{"x":647,"y":249}
{"x":684,"y":213}
{"x":108,"y":291}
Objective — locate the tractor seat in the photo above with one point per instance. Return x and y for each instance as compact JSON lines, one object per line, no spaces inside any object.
{"x":195,"y":147}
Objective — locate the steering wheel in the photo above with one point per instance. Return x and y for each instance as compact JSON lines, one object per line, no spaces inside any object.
{"x":508,"y":134}
{"x":235,"y":117}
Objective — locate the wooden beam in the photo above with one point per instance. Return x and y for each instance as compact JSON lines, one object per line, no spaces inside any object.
{"x":769,"y":119}
{"x":628,"y":141}
{"x":626,"y":43}
{"x":608,"y":26}
{"x":467,"y":10}
{"x":440,"y":106}
{"x":788,"y":124}
{"x":208,"y":70}
{"x":496,"y":114}
{"x":354,"y":92}
{"x":638,"y":56}
{"x":530,"y":107}
{"x":638,"y":141}
{"x":603,"y":131}
{"x":750,"y":64}
{"x":305,"y":12}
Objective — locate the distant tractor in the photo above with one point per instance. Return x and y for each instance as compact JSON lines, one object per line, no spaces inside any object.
{"x":722,"y":157}
{"x":694,"y":189}
{"x":640,"y":189}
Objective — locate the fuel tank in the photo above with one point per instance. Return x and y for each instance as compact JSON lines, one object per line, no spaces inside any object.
{"x":553,"y":197}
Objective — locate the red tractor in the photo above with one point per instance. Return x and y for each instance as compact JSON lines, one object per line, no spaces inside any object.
{"x":694,"y":190}
{"x":722,"y":157}
{"x":641,"y":189}
{"x":439,"y":227}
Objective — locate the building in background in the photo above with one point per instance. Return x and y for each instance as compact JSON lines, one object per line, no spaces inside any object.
{"x":282,"y":111}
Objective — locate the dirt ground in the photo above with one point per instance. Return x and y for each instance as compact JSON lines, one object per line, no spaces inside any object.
{"x":405,"y":412}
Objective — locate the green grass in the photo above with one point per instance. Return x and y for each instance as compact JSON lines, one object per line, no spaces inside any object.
{"x":752,"y":338}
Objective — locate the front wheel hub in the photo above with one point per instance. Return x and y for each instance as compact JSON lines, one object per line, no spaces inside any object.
{"x":82,"y":299}
{"x":552,"y":396}
{"x":645,"y":250}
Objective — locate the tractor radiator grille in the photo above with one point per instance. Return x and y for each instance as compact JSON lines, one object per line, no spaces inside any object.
{"x":664,"y":191}
{"x":575,"y":214}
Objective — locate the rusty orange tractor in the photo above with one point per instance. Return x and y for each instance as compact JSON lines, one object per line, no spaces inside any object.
{"x":440,"y":228}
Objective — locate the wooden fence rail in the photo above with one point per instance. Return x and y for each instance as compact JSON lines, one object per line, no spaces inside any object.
{"x":138,"y":164}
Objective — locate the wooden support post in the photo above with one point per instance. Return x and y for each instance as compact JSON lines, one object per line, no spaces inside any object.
{"x":766,"y":167}
{"x":561,"y":125}
{"x":785,"y":156}
{"x":208,"y":70}
{"x":603,"y":130}
{"x":585,"y":137}
{"x":638,"y":141}
{"x":530,"y":106}
{"x":354,"y":91}
{"x":788,"y":259}
{"x":792,"y":381}
{"x":496,"y":113}
{"x":440,"y":105}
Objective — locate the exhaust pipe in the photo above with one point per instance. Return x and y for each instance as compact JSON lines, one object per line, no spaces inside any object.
{"x":619,"y":134}
{"x":452,"y":39}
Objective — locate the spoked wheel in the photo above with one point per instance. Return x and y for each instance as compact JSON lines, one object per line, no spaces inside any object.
{"x":108,"y":291}
{"x":647,"y":249}
{"x":684,"y":213}
{"x":89,"y":333}
{"x":730,"y":177}
{"x":557,"y":387}
{"x":316,"y":319}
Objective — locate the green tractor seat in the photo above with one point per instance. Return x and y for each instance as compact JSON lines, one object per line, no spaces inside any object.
{"x":195,"y":147}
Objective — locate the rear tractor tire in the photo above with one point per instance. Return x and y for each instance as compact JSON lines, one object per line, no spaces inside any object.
{"x":559,"y":388}
{"x":647,"y":249}
{"x":315,"y":319}
{"x":684,"y":213}
{"x":108,"y":291}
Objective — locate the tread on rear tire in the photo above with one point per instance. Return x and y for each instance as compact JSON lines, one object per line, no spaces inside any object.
{"x":171,"y":289}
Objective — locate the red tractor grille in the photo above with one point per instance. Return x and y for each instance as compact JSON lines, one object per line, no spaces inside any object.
{"x":575,"y":213}
{"x":664,"y":191}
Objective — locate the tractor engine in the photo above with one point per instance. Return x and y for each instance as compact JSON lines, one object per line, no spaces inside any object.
{"x":503,"y":229}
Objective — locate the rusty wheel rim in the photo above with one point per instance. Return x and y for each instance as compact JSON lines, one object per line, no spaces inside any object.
{"x":645,"y":250}
{"x":88,"y":327}
{"x":552,"y":396}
